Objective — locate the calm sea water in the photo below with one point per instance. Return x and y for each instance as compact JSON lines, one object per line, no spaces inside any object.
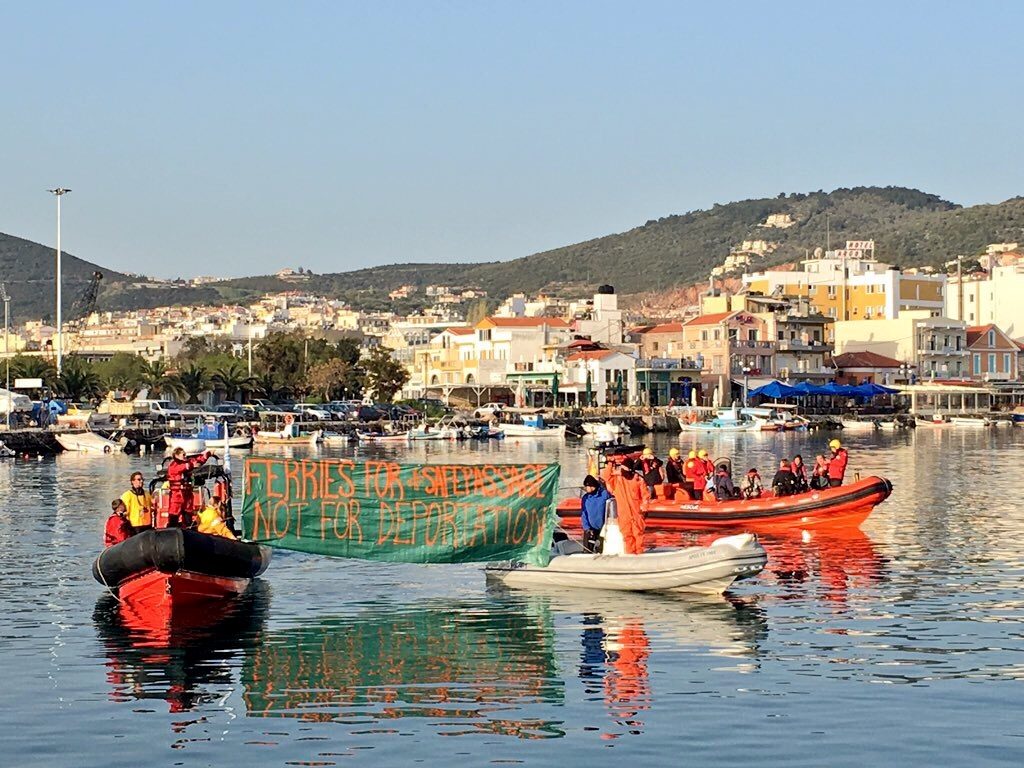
{"x":899,"y":644}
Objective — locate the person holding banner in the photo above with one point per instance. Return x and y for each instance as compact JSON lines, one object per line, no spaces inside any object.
{"x":631,"y":498}
{"x":592,"y":506}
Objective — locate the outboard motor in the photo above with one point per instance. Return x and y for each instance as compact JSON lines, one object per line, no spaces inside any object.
{"x":610,"y":533}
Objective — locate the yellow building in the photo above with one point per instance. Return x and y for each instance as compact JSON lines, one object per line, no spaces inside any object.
{"x":846,"y":285}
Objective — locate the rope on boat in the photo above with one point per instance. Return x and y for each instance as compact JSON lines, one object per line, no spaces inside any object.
{"x":103,"y":579}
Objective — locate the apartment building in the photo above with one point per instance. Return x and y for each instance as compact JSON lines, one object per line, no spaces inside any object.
{"x":936,"y":347}
{"x":994,"y":298}
{"x":994,"y":355}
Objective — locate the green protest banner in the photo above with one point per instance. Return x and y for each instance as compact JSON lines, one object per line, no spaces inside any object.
{"x":382,"y":510}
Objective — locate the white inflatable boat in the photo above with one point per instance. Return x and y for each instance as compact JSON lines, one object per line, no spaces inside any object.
{"x":708,"y":570}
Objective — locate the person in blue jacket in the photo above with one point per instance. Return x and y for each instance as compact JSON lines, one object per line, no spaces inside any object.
{"x":592,"y":505}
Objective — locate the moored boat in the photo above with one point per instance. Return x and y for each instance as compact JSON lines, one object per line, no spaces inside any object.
{"x":87,"y":442}
{"x":173,"y":566}
{"x":707,"y":570}
{"x":843,"y":505}
{"x":533,"y":426}
{"x":971,"y":421}
{"x":383,"y":437}
{"x":276,"y":438}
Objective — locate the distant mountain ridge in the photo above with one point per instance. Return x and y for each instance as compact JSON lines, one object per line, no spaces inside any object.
{"x":910,"y":228}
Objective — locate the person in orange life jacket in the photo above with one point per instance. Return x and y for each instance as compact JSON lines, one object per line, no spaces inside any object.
{"x":702,"y":470}
{"x":649,"y":468}
{"x":837,"y":464}
{"x":118,"y":528}
{"x":631,"y":499}
{"x":180,"y":484}
{"x":139,"y":503}
{"x":691,"y":469}
{"x":592,"y":508}
{"x":709,"y":465}
{"x":674,"y":470}
{"x":784,"y":482}
{"x":799,"y":470}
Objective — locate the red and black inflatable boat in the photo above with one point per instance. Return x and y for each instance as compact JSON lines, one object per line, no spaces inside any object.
{"x":173,"y":568}
{"x":845,"y":505}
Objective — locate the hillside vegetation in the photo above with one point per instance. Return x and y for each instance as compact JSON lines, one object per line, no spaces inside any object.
{"x":911,"y":228}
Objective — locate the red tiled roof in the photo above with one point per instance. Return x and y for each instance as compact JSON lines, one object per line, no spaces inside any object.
{"x":590,"y":354}
{"x":460,"y":331}
{"x":975,"y":332}
{"x":663,"y":328}
{"x":525,"y":322}
{"x":712,"y":319}
{"x":864,"y":360}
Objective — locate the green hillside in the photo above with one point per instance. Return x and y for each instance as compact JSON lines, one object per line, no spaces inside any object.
{"x":911,"y":228}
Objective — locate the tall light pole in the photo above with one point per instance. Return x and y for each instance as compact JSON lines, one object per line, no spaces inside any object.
{"x":59,"y":192}
{"x":7,"y":348}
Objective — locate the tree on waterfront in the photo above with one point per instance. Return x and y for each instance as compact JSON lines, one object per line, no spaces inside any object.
{"x":194,"y":381}
{"x":77,"y":381}
{"x":27,"y":367}
{"x":291,"y":355}
{"x":334,"y":378}
{"x":265,"y":385}
{"x":384,"y":376}
{"x":158,"y":380}
{"x":232,"y":378}
{"x":122,"y":373}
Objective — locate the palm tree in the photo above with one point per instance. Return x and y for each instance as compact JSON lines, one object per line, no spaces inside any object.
{"x":193,"y":381}
{"x":265,"y":385}
{"x":77,"y":381}
{"x":25,"y":367}
{"x":232,"y":377}
{"x":159,"y":380}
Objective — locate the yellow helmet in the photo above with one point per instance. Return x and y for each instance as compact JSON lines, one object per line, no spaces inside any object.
{"x":692,"y":455}
{"x":702,"y":454}
{"x":648,"y":452}
{"x":834,"y":444}
{"x":673,"y":453}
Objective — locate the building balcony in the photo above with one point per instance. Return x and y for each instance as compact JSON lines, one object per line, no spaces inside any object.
{"x":794,"y":345}
{"x":667,"y":364}
{"x":741,"y":344}
{"x":939,"y":351}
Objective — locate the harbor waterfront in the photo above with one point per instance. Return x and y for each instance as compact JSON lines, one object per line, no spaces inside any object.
{"x":898,"y":642}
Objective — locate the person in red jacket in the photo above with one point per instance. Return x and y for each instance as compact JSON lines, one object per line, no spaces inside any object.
{"x":837,"y":464}
{"x":118,"y":528}
{"x":631,"y":499}
{"x":690,"y":471}
{"x":180,"y":484}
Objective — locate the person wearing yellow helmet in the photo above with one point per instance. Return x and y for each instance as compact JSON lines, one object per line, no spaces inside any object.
{"x":649,"y":468}
{"x":691,"y":469}
{"x":674,"y":471}
{"x":709,"y":465}
{"x":837,"y":464}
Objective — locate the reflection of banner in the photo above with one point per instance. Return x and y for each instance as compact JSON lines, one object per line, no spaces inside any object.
{"x":444,"y":660}
{"x":381,"y":510}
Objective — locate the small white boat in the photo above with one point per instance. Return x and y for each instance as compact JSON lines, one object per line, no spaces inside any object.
{"x":424,"y":432}
{"x":970,"y":421}
{"x":5,"y":452}
{"x":383,"y":437}
{"x":335,"y":440}
{"x":858,"y":425}
{"x":87,"y":442}
{"x":533,"y":426}
{"x":601,"y":427}
{"x":706,"y":570}
{"x":193,"y":445}
{"x":276,"y":438}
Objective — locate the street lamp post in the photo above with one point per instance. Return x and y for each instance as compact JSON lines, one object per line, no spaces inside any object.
{"x":746,"y":388}
{"x":7,"y":348}
{"x":59,"y":192}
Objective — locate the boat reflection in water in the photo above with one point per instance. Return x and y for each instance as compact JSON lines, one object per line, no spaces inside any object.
{"x":830,"y":562}
{"x":468,"y":665}
{"x":620,"y":632}
{"x":186,"y":662}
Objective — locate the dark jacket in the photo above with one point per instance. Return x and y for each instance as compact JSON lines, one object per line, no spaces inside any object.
{"x":650,"y":470}
{"x":784,"y":483}
{"x":592,"y":507}
{"x":674,"y":471}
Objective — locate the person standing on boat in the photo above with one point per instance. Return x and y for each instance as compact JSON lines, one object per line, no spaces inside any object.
{"x":650,"y":469}
{"x":675,"y":472}
{"x":118,"y":528}
{"x":631,"y":500}
{"x":799,"y":470}
{"x":691,"y":469}
{"x":703,"y":472}
{"x":179,"y":481}
{"x":837,"y":464}
{"x":592,"y":507}
{"x":139,"y":502}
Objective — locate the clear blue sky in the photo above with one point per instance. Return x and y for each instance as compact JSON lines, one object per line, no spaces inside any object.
{"x":236,"y":138}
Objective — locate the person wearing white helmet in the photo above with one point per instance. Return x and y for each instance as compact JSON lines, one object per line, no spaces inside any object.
{"x":837,"y":464}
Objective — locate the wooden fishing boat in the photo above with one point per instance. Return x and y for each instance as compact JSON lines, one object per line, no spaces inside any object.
{"x":383,"y":437}
{"x":845,"y":505}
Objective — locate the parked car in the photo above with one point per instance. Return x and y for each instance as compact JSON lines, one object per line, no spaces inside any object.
{"x":489,"y":409}
{"x":313,"y":410}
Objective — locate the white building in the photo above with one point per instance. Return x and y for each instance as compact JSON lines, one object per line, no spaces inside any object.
{"x":997,"y":298}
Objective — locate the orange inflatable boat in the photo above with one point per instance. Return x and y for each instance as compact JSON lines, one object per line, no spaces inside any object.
{"x":845,"y":505}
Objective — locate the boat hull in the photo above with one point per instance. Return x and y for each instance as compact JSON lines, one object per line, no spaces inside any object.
{"x":180,"y":567}
{"x":846,"y":505}
{"x":702,"y":570}
{"x":519,"y":431}
{"x":366,"y":437}
{"x":87,"y":442}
